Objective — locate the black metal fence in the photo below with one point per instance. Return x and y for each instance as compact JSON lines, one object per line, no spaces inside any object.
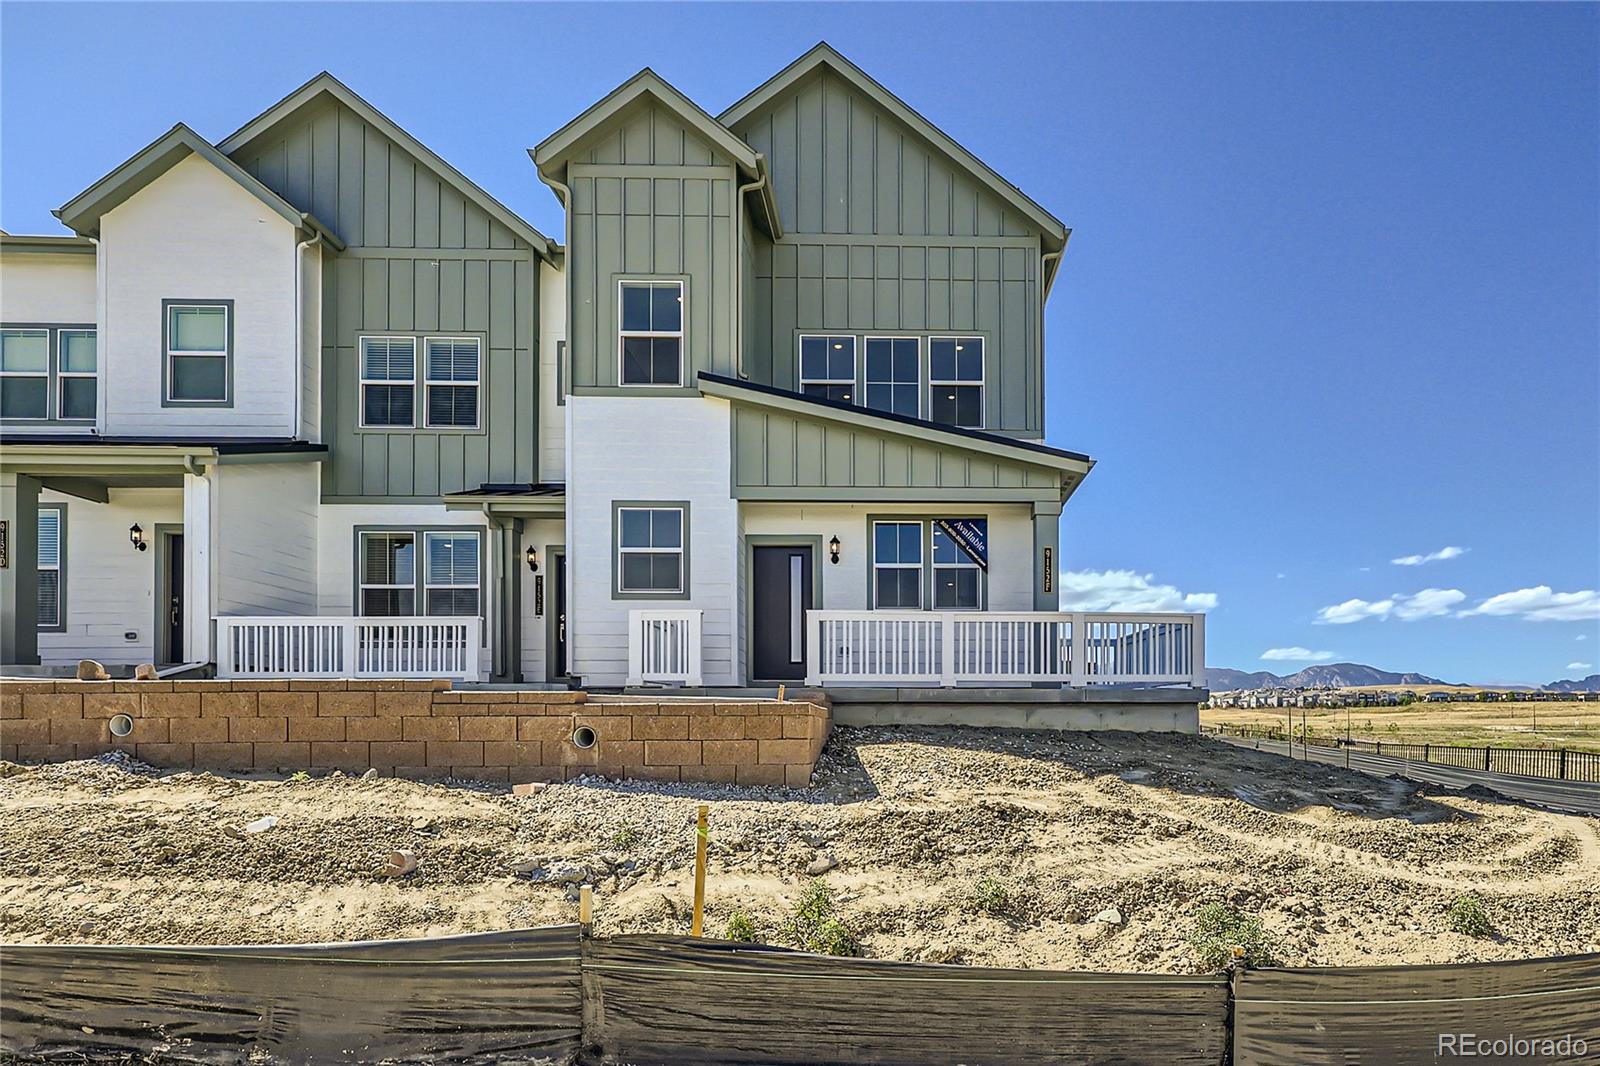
{"x":1560,"y":764}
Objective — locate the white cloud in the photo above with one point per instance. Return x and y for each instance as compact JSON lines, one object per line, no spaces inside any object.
{"x":1579,"y":666}
{"x":1296,"y":655}
{"x":1439,"y":556}
{"x":1581,"y":636}
{"x":1125,"y":590}
{"x":1428,"y":603}
{"x":1542,"y":604}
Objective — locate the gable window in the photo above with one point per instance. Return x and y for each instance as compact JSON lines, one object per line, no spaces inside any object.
{"x":450,"y":574}
{"x":389,"y":575}
{"x":893,"y":375}
{"x":25,"y":373}
{"x":199,"y":341}
{"x":52,"y":541}
{"x":957,"y":578}
{"x":651,"y":558}
{"x":955,"y":380}
{"x":452,"y":382}
{"x":828,"y":368}
{"x":897,"y":566}
{"x":651,"y":335}
{"x":388,"y":382}
{"x":77,"y":365}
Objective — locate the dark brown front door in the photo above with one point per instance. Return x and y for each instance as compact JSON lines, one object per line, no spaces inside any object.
{"x":174,"y":594}
{"x":558,"y":576}
{"x":781,"y":596}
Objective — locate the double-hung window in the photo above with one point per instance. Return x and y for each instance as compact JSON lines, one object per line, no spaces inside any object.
{"x":52,"y":542}
{"x":388,"y":382}
{"x":452,"y":365}
{"x":955,"y":381}
{"x":650,"y":550}
{"x":893,"y":375}
{"x":897,"y":566}
{"x":651,"y":334}
{"x":388,"y":574}
{"x":957,"y":578}
{"x":77,"y":363}
{"x":828,"y":368}
{"x":450,"y":574}
{"x":25,"y":373}
{"x":199,"y":342}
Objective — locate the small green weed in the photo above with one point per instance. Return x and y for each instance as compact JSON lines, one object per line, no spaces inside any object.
{"x":1222,"y":935}
{"x":1468,"y":916}
{"x":813,"y":926}
{"x":740,"y":927}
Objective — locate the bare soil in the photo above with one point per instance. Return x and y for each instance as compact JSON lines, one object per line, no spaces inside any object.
{"x":987,"y":847}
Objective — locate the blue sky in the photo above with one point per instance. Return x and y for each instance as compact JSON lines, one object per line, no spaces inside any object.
{"x":1332,"y":297}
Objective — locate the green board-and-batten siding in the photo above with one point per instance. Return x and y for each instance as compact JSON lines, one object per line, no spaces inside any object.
{"x":777,"y":455}
{"x":422,"y":258}
{"x":884,"y":233}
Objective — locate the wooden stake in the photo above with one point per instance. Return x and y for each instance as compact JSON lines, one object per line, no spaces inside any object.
{"x":586,"y":906}
{"x":699,"y":872}
{"x":781,"y":690}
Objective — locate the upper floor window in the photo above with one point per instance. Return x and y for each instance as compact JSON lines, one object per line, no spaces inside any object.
{"x":452,"y":382}
{"x":199,"y":357}
{"x":388,"y":382}
{"x":52,"y":593}
{"x":651,"y":335}
{"x":828,"y":368}
{"x":894,"y":375}
{"x":955,"y":381}
{"x":651,"y":557}
{"x":48,"y":372}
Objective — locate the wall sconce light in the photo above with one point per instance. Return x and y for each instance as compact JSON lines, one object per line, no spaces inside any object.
{"x":532,"y":555}
{"x":833,"y":549}
{"x":136,"y":537}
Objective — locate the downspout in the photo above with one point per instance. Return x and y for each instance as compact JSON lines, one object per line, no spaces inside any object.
{"x":738,"y":267}
{"x":299,"y":328}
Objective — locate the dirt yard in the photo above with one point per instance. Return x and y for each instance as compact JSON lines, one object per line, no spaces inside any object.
{"x":994,"y":848}
{"x":1567,"y":724}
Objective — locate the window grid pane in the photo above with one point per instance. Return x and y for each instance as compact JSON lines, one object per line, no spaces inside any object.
{"x":956,"y":575}
{"x":828,"y":368}
{"x":651,"y":333}
{"x":897,"y":565}
{"x":893,"y":375}
{"x":955,"y":380}
{"x":78,"y":354}
{"x":197,"y":329}
{"x":650,"y":549}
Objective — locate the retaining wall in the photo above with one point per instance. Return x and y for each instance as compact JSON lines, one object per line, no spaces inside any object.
{"x":415,"y":729}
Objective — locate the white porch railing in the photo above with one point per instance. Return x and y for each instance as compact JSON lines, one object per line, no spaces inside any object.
{"x":292,"y":646}
{"x":664,"y":646}
{"x":951,"y":648}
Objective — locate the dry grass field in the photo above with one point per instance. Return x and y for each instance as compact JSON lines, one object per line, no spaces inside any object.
{"x":1470,"y":724}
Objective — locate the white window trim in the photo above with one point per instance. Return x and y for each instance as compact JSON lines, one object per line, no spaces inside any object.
{"x":45,"y":373}
{"x":920,"y":382}
{"x":476,"y":383}
{"x":363,"y":381}
{"x":855,"y":363}
{"x":362,"y":585}
{"x":624,"y":334}
{"x":63,"y":375}
{"x":919,"y":566}
{"x":965,"y":562}
{"x":683,"y":536}
{"x":477,"y":583}
{"x":982,"y":383}
{"x":61,"y":552}
{"x":226,"y":354}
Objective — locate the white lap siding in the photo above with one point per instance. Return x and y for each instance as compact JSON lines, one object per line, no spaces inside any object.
{"x":110,"y":586}
{"x":644,"y":448}
{"x":264,"y":546}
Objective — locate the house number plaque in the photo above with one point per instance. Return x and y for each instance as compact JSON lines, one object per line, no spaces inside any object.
{"x":5,"y":544}
{"x":538,"y":595}
{"x":1049,"y":569}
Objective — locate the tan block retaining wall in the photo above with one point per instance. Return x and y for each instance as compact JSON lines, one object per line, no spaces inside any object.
{"x":417,"y":729}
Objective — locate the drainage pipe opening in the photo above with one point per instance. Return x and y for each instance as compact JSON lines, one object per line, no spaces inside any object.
{"x":583,"y":736}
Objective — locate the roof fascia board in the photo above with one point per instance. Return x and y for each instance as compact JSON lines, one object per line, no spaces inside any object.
{"x":549,"y":153}
{"x":46,"y":244}
{"x":824,"y":55}
{"x":759,"y":396}
{"x":325,"y":83}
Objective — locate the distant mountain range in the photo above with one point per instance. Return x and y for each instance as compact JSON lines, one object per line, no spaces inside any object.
{"x":1350,"y":675}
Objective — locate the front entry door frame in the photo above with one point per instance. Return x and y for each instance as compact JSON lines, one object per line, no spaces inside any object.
{"x":557,"y":628}
{"x":774,"y":540}
{"x":161,"y":651}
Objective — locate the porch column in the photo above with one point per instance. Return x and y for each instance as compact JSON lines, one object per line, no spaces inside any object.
{"x":197,"y":528}
{"x":508,"y":626}
{"x":1046,"y":557}
{"x":19,"y":577}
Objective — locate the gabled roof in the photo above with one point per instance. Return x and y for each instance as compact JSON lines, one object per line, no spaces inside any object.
{"x":551,"y":152}
{"x":822,"y":55}
{"x":325,"y":84}
{"x":83,"y":212}
{"x":915,"y":428}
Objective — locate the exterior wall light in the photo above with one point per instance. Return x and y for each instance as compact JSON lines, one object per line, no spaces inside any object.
{"x":833,"y":549}
{"x":532,"y":555}
{"x":136,"y":537}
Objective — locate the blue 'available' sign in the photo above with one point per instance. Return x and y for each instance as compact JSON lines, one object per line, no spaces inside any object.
{"x":971,"y":535}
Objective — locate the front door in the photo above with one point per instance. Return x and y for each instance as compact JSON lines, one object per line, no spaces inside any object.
{"x":781,"y":594}
{"x":558,"y":577}
{"x":173,"y":616}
